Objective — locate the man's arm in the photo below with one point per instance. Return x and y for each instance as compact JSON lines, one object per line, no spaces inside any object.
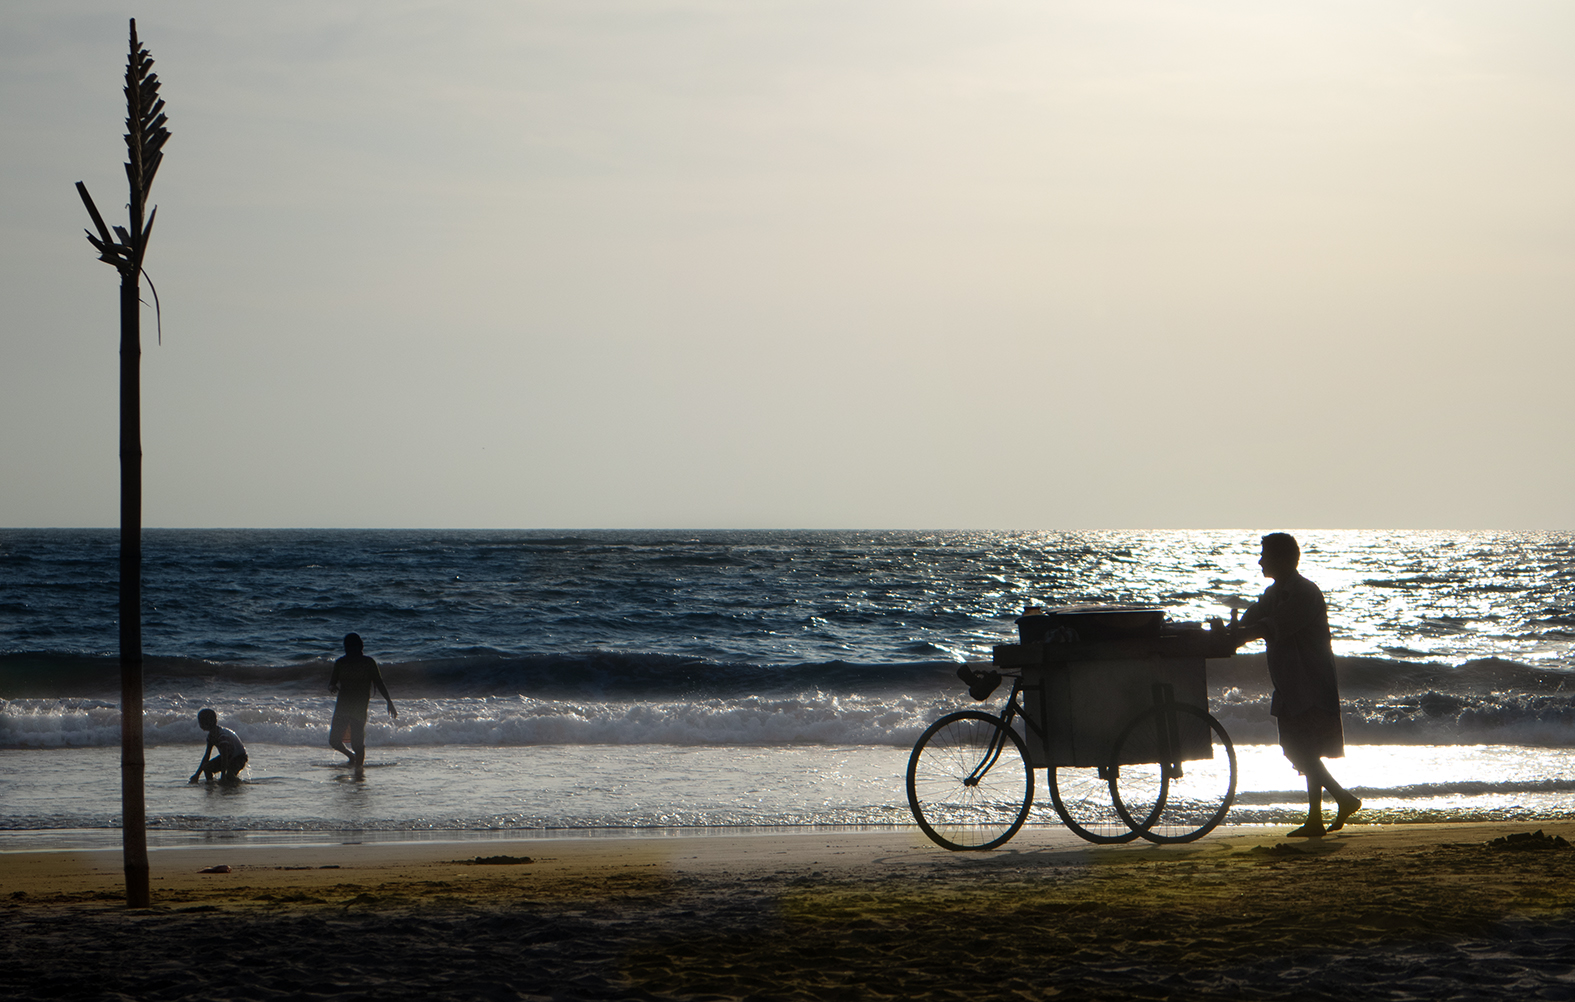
{"x":205,"y":752}
{"x":1253,"y":622}
{"x":333,"y":680}
{"x":1296,"y":607}
{"x":377,"y":680}
{"x":1303,"y":608}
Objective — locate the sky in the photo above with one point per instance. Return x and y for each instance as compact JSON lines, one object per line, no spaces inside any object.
{"x":842,"y":264}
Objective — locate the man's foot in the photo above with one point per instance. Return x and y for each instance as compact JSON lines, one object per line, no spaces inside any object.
{"x":1311,"y":829}
{"x":1347,"y":808}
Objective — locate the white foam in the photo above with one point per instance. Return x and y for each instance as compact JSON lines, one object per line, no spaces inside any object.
{"x":813,"y":717}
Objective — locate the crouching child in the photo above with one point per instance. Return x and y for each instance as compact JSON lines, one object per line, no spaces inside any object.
{"x":229,"y":755}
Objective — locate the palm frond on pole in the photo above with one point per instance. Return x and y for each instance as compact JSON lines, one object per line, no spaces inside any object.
{"x":145,"y":137}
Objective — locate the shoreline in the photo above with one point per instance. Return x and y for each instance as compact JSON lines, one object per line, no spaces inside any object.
{"x":161,"y":840}
{"x":807,"y":914}
{"x":1034,"y":835}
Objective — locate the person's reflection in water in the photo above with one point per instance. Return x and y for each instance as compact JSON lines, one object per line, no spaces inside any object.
{"x":353,"y":678}
{"x":1293,"y":621}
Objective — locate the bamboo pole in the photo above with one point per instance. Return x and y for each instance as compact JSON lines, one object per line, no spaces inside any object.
{"x":133,"y":763}
{"x":145,"y":136}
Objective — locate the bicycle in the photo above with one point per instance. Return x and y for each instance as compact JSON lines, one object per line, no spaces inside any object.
{"x":1166,"y":774}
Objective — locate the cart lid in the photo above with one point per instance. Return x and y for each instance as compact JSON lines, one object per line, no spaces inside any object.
{"x":1091,"y":622}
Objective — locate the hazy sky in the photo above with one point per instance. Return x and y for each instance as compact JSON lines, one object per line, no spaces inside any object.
{"x":803,"y":264}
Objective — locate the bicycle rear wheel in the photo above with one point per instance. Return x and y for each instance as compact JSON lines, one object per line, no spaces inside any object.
{"x":1171,"y":800}
{"x":969,"y":782}
{"x":1082,"y":797}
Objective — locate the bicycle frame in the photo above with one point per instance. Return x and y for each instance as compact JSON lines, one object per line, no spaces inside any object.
{"x":1010,"y":712}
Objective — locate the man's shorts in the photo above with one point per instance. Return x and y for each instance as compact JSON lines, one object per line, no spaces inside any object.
{"x":348,"y":726}
{"x":1311,"y":735}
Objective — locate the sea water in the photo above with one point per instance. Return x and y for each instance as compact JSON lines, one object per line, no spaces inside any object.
{"x":656,"y":680}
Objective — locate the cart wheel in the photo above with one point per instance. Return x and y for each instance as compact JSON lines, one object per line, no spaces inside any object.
{"x":1082,"y":798}
{"x":969,"y":782}
{"x":1175,"y":801}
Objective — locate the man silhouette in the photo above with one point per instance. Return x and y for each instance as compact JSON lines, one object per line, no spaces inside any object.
{"x":1293,"y":621}
{"x":353,"y":678}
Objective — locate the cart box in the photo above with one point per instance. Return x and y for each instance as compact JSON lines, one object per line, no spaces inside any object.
{"x":1079,"y":696}
{"x":1075,"y":711}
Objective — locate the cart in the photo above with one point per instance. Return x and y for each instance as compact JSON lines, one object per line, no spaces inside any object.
{"x":1112,"y":702}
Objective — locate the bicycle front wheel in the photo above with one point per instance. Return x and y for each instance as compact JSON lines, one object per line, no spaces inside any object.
{"x":1170,"y":800}
{"x":969,"y":782}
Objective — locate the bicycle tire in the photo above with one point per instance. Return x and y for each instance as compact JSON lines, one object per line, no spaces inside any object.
{"x":1195,"y":796}
{"x":970,"y":786}
{"x":1083,"y":799}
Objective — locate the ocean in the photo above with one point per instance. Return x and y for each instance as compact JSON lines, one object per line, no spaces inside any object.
{"x":609,"y":681}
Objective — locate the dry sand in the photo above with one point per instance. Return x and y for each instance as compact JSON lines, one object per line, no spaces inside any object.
{"x":1413,"y":911}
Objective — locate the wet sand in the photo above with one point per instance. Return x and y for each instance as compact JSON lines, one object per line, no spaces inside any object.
{"x":1410,"y":911}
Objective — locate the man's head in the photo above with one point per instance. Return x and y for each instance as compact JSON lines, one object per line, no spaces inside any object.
{"x":207,"y":719}
{"x":1281,"y":554}
{"x":352,"y":643}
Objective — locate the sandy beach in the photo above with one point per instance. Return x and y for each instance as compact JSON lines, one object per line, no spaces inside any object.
{"x":1412,"y":911}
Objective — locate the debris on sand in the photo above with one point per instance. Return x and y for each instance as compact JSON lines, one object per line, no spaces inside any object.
{"x":1530,"y":841}
{"x":1281,"y":850}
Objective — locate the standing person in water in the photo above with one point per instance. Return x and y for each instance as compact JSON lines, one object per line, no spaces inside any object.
{"x":353,"y":678}
{"x":229,"y":756}
{"x":1293,"y":621}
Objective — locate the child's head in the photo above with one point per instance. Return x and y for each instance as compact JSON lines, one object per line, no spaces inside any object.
{"x":207,"y":719}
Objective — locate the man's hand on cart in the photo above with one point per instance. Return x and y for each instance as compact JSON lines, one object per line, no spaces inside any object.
{"x":1238,"y":631}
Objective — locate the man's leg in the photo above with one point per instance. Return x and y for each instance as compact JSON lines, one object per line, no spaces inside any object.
{"x":336,"y":735}
{"x":1314,"y":824}
{"x":358,"y":743}
{"x":1346,"y":802}
{"x":1319,"y":780}
{"x":233,"y":767}
{"x":1312,"y":768}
